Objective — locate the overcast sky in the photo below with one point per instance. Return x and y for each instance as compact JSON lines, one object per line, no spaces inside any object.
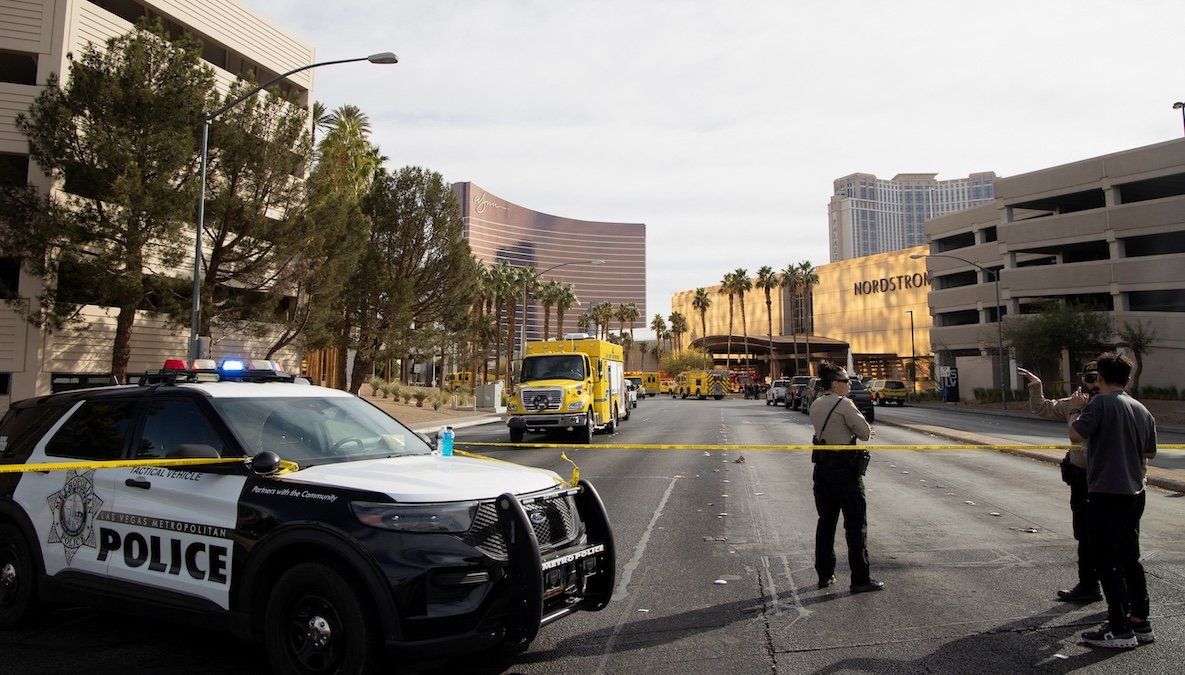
{"x":722,"y":125}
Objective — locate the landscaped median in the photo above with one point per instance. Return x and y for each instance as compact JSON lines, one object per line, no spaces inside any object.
{"x":1167,"y":479}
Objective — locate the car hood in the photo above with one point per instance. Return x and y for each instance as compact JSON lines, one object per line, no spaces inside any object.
{"x":431,"y":478}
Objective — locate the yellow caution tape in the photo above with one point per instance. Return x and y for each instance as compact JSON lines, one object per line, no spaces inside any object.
{"x":118,"y":464}
{"x":474,"y":455}
{"x":575,"y":469}
{"x":776,"y":448}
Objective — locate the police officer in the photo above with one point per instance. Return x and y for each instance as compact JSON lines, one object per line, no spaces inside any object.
{"x":1074,"y":475}
{"x":839,"y":479}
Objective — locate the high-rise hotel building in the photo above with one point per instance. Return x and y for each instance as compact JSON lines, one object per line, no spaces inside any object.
{"x":499,"y":230}
{"x":868,"y":215}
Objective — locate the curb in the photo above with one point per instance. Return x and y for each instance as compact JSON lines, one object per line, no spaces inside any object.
{"x":433,"y":427}
{"x":1165,"y":479}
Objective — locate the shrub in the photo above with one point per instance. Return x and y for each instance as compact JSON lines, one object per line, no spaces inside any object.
{"x":406,"y":396}
{"x":420,"y":396}
{"x":393,"y":390}
{"x":376,"y":386}
{"x":438,"y":400}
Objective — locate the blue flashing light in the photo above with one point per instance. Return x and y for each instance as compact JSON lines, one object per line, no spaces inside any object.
{"x":232,"y":365}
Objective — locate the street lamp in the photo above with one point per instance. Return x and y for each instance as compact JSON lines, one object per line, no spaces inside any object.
{"x":522,"y":328}
{"x":1180,"y":105}
{"x":999,"y":316}
{"x":195,"y":347}
{"x":913,"y":355}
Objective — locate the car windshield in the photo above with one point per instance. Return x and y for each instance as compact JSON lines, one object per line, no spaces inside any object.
{"x":857,"y":385}
{"x":316,"y":430}
{"x":800,"y":379}
{"x":780,"y":383}
{"x":635,"y":380}
{"x":559,"y":367}
{"x":892,"y":384}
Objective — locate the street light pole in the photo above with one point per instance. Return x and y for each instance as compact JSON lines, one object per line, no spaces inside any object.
{"x":195,"y":347}
{"x":999,"y":317}
{"x":1180,"y":105}
{"x":913,"y":355}
{"x":522,"y":329}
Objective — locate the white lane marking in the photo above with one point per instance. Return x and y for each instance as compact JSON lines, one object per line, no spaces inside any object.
{"x":622,"y":590}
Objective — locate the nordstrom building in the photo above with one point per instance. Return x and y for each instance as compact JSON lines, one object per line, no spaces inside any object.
{"x":1106,"y":232}
{"x":35,"y":37}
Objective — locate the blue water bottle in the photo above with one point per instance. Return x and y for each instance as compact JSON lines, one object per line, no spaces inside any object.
{"x":446,"y":442}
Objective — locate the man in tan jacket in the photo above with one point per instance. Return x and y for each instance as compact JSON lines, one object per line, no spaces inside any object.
{"x":1074,"y":475}
{"x":839,"y":480}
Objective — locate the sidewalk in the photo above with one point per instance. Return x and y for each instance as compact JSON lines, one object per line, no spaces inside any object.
{"x":1167,"y":479}
{"x":1159,"y":409}
{"x":428,"y":421}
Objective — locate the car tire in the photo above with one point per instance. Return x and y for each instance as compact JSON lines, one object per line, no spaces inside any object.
{"x":347,"y":623}
{"x":516,"y":435}
{"x":871,"y":416}
{"x":18,"y":590}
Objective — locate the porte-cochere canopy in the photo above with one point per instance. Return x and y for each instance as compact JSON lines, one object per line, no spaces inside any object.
{"x":759,"y":350}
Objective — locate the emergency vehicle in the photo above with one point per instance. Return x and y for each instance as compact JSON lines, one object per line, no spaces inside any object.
{"x":650,"y":382}
{"x":308,"y":520}
{"x":702,"y":384}
{"x":576,"y":384}
{"x":458,"y":379}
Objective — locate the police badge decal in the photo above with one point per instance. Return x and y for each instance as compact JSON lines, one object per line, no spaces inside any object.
{"x":74,"y":508}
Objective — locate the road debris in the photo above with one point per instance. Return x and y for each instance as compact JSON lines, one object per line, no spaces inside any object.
{"x":739,"y":460}
{"x":720,"y":582}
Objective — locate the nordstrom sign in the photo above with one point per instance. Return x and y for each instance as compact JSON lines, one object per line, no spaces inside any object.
{"x":890,"y":284}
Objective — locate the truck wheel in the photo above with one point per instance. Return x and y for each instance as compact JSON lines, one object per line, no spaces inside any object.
{"x":318,"y":622}
{"x":627,"y":411}
{"x":584,"y":433}
{"x":18,"y":594}
{"x":516,"y":435}
{"x":611,"y":427}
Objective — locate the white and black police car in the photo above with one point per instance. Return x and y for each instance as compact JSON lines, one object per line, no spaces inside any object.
{"x":369,"y":544}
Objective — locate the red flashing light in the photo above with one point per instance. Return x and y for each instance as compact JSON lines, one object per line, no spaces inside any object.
{"x":175,"y":364}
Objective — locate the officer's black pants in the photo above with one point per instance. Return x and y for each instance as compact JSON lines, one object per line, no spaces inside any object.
{"x":839,"y":487}
{"x":1076,"y":478}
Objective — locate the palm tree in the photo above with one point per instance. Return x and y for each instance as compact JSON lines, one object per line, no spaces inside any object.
{"x":547,"y":297}
{"x":767,"y":281}
{"x":808,"y":278}
{"x":742,"y":284}
{"x":585,"y":321}
{"x":322,"y":120}
{"x":642,"y":349}
{"x":524,"y":280}
{"x":701,"y":302}
{"x":603,"y":313}
{"x":346,"y":146}
{"x":629,"y":314}
{"x":565,"y":299}
{"x":792,"y":281}
{"x":678,"y":329}
{"x":727,"y":288}
{"x":504,"y":291}
{"x":659,"y":326}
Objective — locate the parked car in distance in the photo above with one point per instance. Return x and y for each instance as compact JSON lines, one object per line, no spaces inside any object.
{"x":885,"y":392}
{"x":777,"y":392}
{"x":810,"y":391}
{"x":794,"y":391}
{"x":863,"y":400}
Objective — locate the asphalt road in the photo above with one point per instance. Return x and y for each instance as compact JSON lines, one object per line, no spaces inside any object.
{"x":969,"y":588}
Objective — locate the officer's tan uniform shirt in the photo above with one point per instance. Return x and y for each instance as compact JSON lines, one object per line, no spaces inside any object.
{"x":1055,"y":409}
{"x":845,"y":422}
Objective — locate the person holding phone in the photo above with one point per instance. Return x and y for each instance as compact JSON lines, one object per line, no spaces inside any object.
{"x":1073,"y":474}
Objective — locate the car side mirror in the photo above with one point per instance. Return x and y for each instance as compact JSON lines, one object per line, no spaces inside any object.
{"x":193,"y":451}
{"x":265,"y":463}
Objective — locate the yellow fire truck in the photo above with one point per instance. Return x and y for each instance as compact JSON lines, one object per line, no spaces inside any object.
{"x":701,"y":384}
{"x":575,"y":384}
{"x":650,"y":381}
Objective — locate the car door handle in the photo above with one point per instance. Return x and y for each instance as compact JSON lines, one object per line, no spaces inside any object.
{"x":137,"y":483}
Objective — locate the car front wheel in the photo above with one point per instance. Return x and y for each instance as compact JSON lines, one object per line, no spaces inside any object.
{"x":18,"y":595}
{"x":317,"y":622}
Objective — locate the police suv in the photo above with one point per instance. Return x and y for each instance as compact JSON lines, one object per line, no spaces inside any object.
{"x":318,"y":524}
